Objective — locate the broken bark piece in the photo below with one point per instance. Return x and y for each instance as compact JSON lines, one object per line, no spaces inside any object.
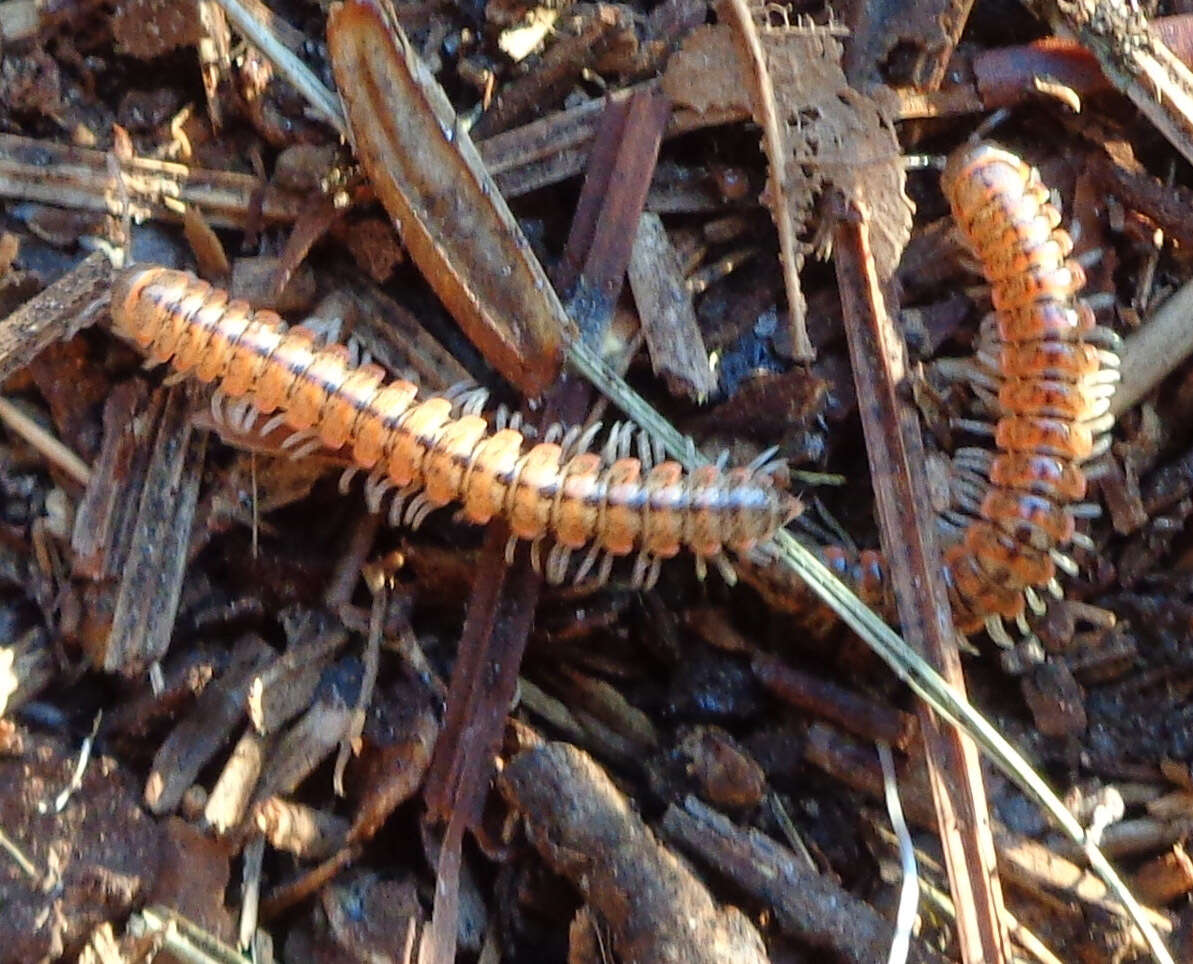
{"x":150,"y":28}
{"x":1165,"y":878}
{"x":396,"y":339}
{"x":818,"y":131}
{"x":860,"y":715}
{"x":722,"y":771}
{"x":582,"y":825}
{"x":452,"y":219}
{"x":254,"y":280}
{"x":72,"y":302}
{"x":372,"y":918}
{"x":910,"y":38}
{"x":315,"y":735}
{"x":673,"y":338}
{"x":395,"y":754}
{"x":151,"y":580}
{"x":205,"y":729}
{"x":597,"y":28}
{"x":809,"y":906}
{"x":104,"y":516}
{"x":192,"y":878}
{"x":285,"y":689}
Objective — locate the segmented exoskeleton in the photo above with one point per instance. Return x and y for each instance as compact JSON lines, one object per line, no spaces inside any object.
{"x":605,"y":503}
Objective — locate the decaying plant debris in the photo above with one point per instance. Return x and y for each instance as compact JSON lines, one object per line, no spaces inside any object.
{"x":239,"y":711}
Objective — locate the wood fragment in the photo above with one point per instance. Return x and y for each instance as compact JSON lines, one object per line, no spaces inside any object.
{"x":229,"y":800}
{"x":395,"y":337}
{"x":863,"y":717}
{"x":905,"y":517}
{"x":301,"y":830}
{"x":656,"y":908}
{"x":1166,"y":878}
{"x":808,"y":906}
{"x":924,"y":35}
{"x":286,"y":687}
{"x":204,"y":730}
{"x":313,"y":737}
{"x":673,"y":337}
{"x":557,"y":146}
{"x":75,"y":300}
{"x":451,"y":216}
{"x":556,"y":71}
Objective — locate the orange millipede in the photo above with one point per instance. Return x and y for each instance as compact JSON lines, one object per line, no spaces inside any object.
{"x":435,"y":454}
{"x":1055,"y":373}
{"x":1050,"y":371}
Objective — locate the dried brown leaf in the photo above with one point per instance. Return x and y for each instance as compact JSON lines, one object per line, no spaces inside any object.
{"x":707,"y":73}
{"x":832,"y":134}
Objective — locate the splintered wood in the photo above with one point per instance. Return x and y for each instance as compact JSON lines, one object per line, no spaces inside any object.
{"x":820,"y":132}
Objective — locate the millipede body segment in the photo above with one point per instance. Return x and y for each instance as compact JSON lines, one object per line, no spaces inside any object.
{"x":436,"y":455}
{"x":1054,"y":372}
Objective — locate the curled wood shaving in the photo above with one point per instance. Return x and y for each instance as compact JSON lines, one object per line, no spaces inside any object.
{"x":453,"y":221}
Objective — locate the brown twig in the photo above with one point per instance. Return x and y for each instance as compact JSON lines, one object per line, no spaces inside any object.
{"x":74,"y":301}
{"x":1153,"y":352}
{"x":897,"y":460}
{"x":765,"y":108}
{"x":808,"y":905}
{"x":583,"y":826}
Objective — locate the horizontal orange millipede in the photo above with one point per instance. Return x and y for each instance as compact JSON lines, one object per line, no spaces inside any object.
{"x":434,"y":454}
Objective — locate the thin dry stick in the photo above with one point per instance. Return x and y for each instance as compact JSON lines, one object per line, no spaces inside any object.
{"x":33,"y":169}
{"x":9,"y":846}
{"x":1153,"y":352}
{"x":47,"y":444}
{"x":905,"y":517}
{"x":777,"y":153}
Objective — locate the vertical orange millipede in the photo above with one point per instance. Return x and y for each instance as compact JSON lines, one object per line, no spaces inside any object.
{"x":1051,"y":371}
